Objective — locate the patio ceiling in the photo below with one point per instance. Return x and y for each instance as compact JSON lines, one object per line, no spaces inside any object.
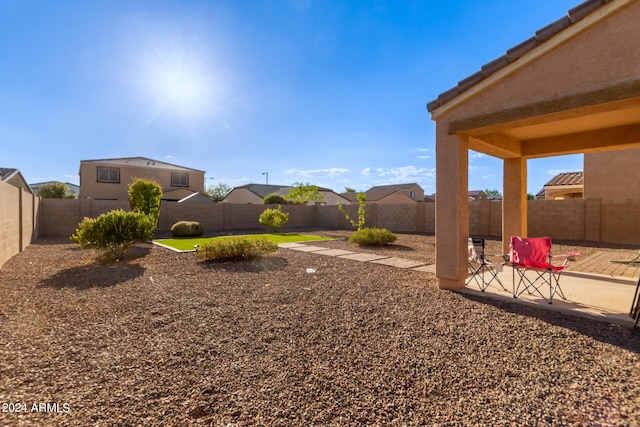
{"x":543,"y":130}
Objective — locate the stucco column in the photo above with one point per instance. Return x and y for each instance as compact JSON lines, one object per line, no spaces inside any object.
{"x":514,"y":201}
{"x":452,"y":208}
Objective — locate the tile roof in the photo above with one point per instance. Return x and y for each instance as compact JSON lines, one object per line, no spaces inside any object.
{"x":567,"y":178}
{"x":140,"y":162}
{"x":381,"y":191}
{"x":6,"y":173}
{"x":542,"y":35}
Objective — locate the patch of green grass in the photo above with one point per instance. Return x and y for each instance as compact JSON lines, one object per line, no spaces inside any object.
{"x":188,"y":244}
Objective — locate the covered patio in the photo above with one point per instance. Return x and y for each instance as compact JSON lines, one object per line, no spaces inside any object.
{"x":574,"y":87}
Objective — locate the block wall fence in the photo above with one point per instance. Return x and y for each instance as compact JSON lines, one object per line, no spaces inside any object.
{"x":24,"y":217}
{"x":19,"y":220}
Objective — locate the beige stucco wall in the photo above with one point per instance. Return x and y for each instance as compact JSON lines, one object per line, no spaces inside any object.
{"x":90,"y":187}
{"x":604,"y":53}
{"x":612,"y":174}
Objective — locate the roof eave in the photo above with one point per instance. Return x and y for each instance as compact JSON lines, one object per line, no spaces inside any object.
{"x":545,"y":40}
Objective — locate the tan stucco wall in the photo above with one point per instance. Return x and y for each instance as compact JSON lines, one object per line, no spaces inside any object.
{"x":612,"y":174}
{"x":90,"y":187}
{"x":602,"y":54}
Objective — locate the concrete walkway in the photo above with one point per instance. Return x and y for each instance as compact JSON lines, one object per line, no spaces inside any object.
{"x":605,"y":297}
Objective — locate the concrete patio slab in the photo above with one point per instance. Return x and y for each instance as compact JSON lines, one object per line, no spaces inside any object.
{"x":364,"y":257}
{"x":593,"y":295}
{"x":334,"y":252}
{"x":399,"y":262}
{"x":426,"y":268}
{"x":290,"y":245}
{"x":307,"y":248}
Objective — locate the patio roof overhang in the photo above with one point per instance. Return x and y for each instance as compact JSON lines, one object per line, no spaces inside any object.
{"x":577,"y":91}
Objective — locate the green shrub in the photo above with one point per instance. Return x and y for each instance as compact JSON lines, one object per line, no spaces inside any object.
{"x":274,"y":199}
{"x":113,"y":233}
{"x":187,"y":229}
{"x":144,"y":196}
{"x":372,"y":236}
{"x":235,"y":248}
{"x":274,"y":218}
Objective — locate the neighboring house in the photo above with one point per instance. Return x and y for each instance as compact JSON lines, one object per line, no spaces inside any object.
{"x":109,"y":179}
{"x":569,"y":185}
{"x":477,"y":195}
{"x":72,"y":187}
{"x":351,"y":197}
{"x":395,"y":193}
{"x":15,"y":178}
{"x":254,"y":193}
{"x":183,"y":194}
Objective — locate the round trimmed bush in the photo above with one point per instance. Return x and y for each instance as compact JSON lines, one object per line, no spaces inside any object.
{"x":187,"y":229}
{"x":372,"y":237}
{"x":274,"y":199}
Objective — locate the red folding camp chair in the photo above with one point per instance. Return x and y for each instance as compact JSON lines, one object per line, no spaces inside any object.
{"x":533,"y":254}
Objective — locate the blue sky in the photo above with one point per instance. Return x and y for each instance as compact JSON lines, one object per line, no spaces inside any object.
{"x":328,"y":92}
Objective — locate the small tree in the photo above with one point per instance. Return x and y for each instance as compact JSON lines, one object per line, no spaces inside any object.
{"x":219,"y":192}
{"x":301,"y":193}
{"x":349,"y":190}
{"x":274,"y":218}
{"x":144,"y":197}
{"x":493,"y":193}
{"x":55,"y":190}
{"x":362,"y":198}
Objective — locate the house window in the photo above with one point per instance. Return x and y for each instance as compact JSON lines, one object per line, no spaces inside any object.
{"x":179,"y":179}
{"x":413,"y":194}
{"x":108,"y":174}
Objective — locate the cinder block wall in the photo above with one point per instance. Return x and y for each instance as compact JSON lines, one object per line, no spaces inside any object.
{"x":9,"y":221}
{"x":560,"y":219}
{"x":59,"y":217}
{"x":619,"y":221}
{"x":19,"y":220}
{"x":595,"y":220}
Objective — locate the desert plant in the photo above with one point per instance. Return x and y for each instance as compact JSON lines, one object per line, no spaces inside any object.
{"x":187,"y":229}
{"x":55,"y":190}
{"x":113,"y":233}
{"x":274,"y":218}
{"x":235,"y":248}
{"x":144,"y":197}
{"x":274,"y":199}
{"x":372,"y":237}
{"x":362,"y":198}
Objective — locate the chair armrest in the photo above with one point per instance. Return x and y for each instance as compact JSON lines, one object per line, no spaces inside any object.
{"x":569,"y":256}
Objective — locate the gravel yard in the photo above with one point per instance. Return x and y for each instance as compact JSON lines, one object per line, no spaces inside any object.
{"x":159,"y":338}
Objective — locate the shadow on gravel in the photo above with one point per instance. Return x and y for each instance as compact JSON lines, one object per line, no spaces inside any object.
{"x":609,"y":333}
{"x":257,"y":265}
{"x":96,"y":275}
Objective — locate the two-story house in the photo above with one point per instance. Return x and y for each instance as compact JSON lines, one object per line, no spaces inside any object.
{"x":109,"y":179}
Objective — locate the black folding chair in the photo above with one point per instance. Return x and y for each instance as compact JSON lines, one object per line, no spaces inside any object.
{"x":483,"y":271}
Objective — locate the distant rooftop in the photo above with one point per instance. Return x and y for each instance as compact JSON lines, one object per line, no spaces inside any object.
{"x":140,"y":162}
{"x":567,"y":178}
